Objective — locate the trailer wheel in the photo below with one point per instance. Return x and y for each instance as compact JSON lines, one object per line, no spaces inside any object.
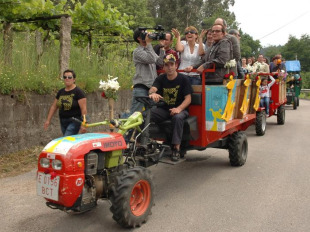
{"x":238,"y":148}
{"x":260,"y":123}
{"x":132,"y":197}
{"x":295,"y":103}
{"x":281,"y":115}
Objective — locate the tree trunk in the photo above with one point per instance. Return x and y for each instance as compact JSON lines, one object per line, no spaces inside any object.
{"x":89,"y":44}
{"x":65,"y":44}
{"x":7,"y":43}
{"x":39,"y":47}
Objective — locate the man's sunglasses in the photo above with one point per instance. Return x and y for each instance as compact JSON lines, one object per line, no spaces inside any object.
{"x":67,"y":77}
{"x":192,"y":32}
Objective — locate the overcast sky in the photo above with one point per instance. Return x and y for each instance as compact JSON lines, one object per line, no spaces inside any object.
{"x":262,"y":17}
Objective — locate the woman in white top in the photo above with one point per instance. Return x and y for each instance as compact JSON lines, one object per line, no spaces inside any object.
{"x":189,"y":54}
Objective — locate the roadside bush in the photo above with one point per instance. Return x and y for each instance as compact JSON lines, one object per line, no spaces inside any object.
{"x":26,"y":75}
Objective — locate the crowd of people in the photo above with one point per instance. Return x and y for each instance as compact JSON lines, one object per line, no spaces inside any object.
{"x":212,"y":48}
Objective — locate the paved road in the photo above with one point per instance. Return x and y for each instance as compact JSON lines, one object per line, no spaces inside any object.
{"x":270,"y":193}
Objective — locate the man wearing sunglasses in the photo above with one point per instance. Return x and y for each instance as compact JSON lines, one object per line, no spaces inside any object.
{"x":234,"y":42}
{"x":71,"y":102}
{"x":219,"y":54}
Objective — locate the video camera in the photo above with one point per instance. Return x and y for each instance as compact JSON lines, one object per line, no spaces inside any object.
{"x":157,"y":35}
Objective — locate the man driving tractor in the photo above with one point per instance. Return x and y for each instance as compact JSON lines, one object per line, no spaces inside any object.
{"x":175,"y":89}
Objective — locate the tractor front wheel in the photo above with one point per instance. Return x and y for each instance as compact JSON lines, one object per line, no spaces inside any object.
{"x":132,"y":197}
{"x":238,"y":148}
{"x":260,"y":123}
{"x":281,"y":115}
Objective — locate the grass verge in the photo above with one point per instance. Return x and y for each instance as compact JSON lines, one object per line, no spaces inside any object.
{"x":19,"y":162}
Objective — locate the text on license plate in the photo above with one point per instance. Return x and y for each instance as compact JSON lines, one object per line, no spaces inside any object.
{"x":47,"y":187}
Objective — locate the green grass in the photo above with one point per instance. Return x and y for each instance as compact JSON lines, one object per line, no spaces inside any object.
{"x":19,"y":162}
{"x":305,"y":96}
{"x":26,"y":75}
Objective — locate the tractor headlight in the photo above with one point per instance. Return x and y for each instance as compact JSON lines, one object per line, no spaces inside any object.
{"x":44,"y":162}
{"x":57,"y":164}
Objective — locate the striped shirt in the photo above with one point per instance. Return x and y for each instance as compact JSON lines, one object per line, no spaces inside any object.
{"x":145,"y":60}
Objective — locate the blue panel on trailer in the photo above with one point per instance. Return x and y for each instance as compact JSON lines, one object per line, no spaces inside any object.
{"x":292,"y":66}
{"x":216,"y":99}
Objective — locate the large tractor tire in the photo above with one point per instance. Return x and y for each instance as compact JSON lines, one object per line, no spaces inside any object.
{"x":281,"y":115}
{"x":294,"y":103}
{"x":238,"y":148}
{"x":132,"y":197}
{"x":260,"y":123}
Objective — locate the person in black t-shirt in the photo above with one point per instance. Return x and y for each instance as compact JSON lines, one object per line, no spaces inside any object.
{"x":175,"y":89}
{"x":71,"y":102}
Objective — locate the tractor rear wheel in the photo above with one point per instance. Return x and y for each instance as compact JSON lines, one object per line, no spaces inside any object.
{"x":238,"y":148}
{"x":281,"y":115}
{"x":132,"y":197}
{"x":260,"y":123}
{"x":295,"y":103}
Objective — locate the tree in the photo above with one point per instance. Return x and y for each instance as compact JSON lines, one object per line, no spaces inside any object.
{"x":213,"y":9}
{"x":138,"y":12}
{"x":298,"y":48}
{"x":176,"y":13}
{"x":271,"y":51}
{"x":249,"y":46}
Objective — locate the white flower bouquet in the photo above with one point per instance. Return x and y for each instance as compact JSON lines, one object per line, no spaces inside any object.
{"x":230,"y":64}
{"x":109,"y":87}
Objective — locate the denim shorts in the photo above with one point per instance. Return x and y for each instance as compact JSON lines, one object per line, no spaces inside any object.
{"x":135,"y":105}
{"x":194,"y":79}
{"x":69,"y":127}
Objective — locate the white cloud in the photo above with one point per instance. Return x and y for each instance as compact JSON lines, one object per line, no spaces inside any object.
{"x":261,"y":18}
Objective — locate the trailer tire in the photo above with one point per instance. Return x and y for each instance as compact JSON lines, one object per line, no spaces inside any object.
{"x":295,"y":103}
{"x":281,"y":115}
{"x":132,"y":197}
{"x":260,"y":123}
{"x":238,"y":148}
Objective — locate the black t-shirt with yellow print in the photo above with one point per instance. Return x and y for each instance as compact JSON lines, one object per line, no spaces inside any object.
{"x":173,"y":91}
{"x":67,"y":102}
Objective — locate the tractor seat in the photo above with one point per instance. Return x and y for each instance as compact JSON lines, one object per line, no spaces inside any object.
{"x":163,"y":130}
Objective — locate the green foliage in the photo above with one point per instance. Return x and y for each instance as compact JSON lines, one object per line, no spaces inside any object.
{"x":213,"y":9}
{"x":139,"y":14}
{"x":43,"y":79}
{"x":300,"y":49}
{"x":12,"y":10}
{"x":271,"y":51}
{"x":176,"y":13}
{"x":93,"y":14}
{"x":305,"y":76}
{"x":249,"y":46}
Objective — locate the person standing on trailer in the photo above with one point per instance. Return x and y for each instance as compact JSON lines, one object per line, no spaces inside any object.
{"x":264,"y":93}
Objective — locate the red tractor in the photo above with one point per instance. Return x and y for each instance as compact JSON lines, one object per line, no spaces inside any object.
{"x":75,"y":171}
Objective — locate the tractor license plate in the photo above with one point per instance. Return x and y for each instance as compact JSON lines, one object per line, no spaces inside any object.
{"x":47,"y":187}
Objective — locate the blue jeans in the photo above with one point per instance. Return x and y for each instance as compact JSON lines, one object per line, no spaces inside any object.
{"x":194,"y":80}
{"x":69,"y":127}
{"x":264,"y":102}
{"x":159,"y":115}
{"x":135,"y":105}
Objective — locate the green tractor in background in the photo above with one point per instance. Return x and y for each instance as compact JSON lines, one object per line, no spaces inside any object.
{"x":293,"y":82}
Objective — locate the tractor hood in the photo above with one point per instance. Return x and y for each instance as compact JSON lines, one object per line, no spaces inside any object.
{"x":86,"y":142}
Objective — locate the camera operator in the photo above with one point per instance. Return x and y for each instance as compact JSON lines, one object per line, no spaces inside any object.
{"x":145,"y":60}
{"x":165,"y":44}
